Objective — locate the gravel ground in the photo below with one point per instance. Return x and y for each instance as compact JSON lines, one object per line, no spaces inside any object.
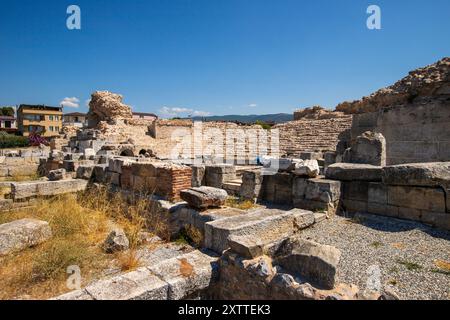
{"x":405,"y":252}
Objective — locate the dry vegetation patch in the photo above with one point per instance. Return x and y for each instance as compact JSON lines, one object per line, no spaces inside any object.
{"x":79,"y":223}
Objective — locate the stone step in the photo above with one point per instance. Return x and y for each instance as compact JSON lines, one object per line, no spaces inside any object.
{"x":23,"y":190}
{"x":232,"y":186}
{"x":268,"y":223}
{"x":181,"y":277}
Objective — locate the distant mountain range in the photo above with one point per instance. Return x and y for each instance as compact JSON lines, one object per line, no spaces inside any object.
{"x":276,"y":118}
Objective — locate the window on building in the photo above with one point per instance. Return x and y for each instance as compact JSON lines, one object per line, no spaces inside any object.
{"x":50,"y":118}
{"x":8,"y":124}
{"x":50,"y":128}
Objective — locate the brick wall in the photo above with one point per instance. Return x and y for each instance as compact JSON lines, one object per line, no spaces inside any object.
{"x":160,"y":178}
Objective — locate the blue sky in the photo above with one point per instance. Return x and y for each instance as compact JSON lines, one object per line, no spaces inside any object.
{"x":214,"y":56}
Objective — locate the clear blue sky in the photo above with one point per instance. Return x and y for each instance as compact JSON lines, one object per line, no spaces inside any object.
{"x":216,"y":56}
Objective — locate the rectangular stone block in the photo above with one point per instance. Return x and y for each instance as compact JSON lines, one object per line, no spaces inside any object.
{"x":85,"y":172}
{"x":71,"y":165}
{"x":144,"y":184}
{"x":250,"y":188}
{"x":354,"y":205}
{"x":198,"y":175}
{"x":116,"y":164}
{"x":268,"y":223}
{"x":418,"y":174}
{"x":409,"y":213}
{"x":377,"y":193}
{"x":432,"y":199}
{"x":99,"y":174}
{"x":353,"y":172}
{"x":113,"y":178}
{"x":323,"y":190}
{"x":307,"y":155}
{"x":436,"y":219}
{"x":136,"y":285}
{"x":356,"y":190}
{"x":383,"y":209}
{"x":144,"y":169}
{"x":187,"y":275}
{"x":21,"y":234}
{"x":126,"y":178}
{"x":46,"y":188}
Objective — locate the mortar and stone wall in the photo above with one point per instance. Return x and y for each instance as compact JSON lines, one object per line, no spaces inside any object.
{"x":311,"y":134}
{"x":152,"y":178}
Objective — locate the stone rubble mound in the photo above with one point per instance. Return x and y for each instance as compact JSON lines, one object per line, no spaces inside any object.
{"x":429,"y":81}
{"x":107,"y":106}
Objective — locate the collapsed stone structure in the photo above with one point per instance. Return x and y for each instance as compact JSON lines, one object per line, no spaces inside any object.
{"x":344,"y":162}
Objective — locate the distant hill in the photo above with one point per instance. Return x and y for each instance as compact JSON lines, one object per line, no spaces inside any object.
{"x":277,"y":118}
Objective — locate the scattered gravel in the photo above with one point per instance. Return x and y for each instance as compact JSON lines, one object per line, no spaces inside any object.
{"x":405,"y":253}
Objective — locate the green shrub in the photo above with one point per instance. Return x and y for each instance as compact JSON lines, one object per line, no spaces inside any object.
{"x":12,"y":141}
{"x":263,"y":124}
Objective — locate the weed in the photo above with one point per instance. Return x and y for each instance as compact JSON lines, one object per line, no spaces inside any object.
{"x":411,"y":266}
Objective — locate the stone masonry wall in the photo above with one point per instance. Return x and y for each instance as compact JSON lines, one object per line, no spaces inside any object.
{"x":413,"y":132}
{"x":210,"y":139}
{"x":311,"y":134}
{"x":159,"y":178}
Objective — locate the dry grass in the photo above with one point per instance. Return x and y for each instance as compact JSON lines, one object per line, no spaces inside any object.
{"x":17,"y":177}
{"x":129,"y":260}
{"x":240,"y":204}
{"x":79,"y":225}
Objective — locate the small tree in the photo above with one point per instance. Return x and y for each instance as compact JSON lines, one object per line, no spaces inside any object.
{"x":7,"y":111}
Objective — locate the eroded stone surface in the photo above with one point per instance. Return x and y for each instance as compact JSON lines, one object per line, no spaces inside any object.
{"x":204,"y":197}
{"x":21,"y":234}
{"x":353,"y":171}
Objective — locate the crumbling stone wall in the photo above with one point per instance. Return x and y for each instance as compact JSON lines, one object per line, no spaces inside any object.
{"x":107,"y":106}
{"x":413,"y":115}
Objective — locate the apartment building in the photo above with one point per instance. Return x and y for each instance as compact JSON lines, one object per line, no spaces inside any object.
{"x":8,"y":124}
{"x":77,"y":119}
{"x":45,"y":120}
{"x":145,"y":116}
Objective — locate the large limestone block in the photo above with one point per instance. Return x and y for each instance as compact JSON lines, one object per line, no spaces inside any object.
{"x":99,"y":173}
{"x":46,"y":188}
{"x":198,"y":175}
{"x":308,"y":168}
{"x":369,"y":148}
{"x":136,"y":285}
{"x":188,"y":274}
{"x":353,"y":171}
{"x":116,"y":164}
{"x":74,"y":295}
{"x":85,"y":172}
{"x":267,"y":223}
{"x":182,"y":216}
{"x":216,"y":175}
{"x":21,"y":234}
{"x":316,"y":262}
{"x":144,"y":169}
{"x":323,"y":190}
{"x":204,"y":197}
{"x":55,"y":175}
{"x":418,"y":174}
{"x":250,"y":188}
{"x":432,"y":199}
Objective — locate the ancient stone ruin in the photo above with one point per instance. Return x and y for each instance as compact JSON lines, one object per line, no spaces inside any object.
{"x":253,"y":200}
